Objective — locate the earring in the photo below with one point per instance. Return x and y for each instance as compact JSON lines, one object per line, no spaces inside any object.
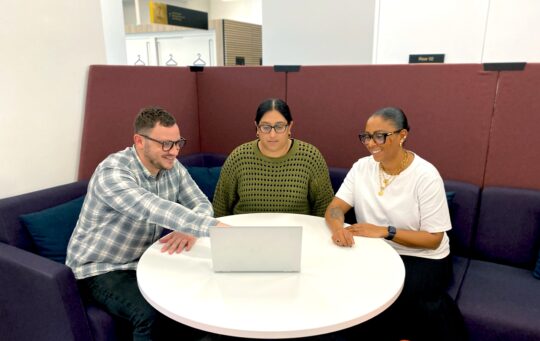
{"x":401,"y":143}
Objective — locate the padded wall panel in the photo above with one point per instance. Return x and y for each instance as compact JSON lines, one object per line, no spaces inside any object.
{"x":228,"y":101}
{"x":514,"y":157}
{"x":449,"y":108}
{"x":115,"y":94}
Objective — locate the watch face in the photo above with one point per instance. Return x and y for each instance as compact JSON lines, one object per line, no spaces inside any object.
{"x":391,"y":232}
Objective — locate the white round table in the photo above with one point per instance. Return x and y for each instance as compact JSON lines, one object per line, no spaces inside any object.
{"x":336,"y":289}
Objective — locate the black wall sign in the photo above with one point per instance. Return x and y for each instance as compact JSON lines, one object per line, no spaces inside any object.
{"x":286,"y":68}
{"x":179,"y":16}
{"x":426,"y":58}
{"x":520,"y":66}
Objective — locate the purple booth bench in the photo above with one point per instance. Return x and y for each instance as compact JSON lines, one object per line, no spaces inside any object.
{"x":499,"y":297}
{"x":494,"y":247}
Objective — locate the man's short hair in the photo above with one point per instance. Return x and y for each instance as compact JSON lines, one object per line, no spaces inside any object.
{"x":148,"y":117}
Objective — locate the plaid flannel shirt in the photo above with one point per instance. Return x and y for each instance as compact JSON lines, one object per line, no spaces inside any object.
{"x":126,"y":209}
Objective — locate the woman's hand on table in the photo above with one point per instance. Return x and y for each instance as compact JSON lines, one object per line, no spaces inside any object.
{"x":367,"y":230}
{"x":343,"y":237}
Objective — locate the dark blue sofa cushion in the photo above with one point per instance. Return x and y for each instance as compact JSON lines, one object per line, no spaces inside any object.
{"x":206,"y":178}
{"x":51,"y":228}
{"x":536,"y":272}
{"x":450,"y":198}
{"x":463,"y":212}
{"x":202,"y":160}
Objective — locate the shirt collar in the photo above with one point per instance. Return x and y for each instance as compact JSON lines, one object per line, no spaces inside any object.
{"x":144,"y":170}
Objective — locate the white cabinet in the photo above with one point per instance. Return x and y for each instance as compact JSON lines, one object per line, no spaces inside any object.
{"x":182,"y":48}
{"x":141,"y":51}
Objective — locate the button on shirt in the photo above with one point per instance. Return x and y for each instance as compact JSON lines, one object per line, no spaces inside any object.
{"x":126,"y":209}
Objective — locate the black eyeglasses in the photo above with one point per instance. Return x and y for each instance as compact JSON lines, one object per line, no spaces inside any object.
{"x":378,"y":137}
{"x":167,"y":145}
{"x":279,"y":128}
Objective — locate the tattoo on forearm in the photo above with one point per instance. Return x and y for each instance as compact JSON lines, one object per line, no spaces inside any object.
{"x":336,"y":213}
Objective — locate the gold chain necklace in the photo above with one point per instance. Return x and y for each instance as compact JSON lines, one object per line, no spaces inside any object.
{"x":384,"y":181}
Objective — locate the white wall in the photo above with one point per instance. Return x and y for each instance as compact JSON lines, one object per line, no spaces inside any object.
{"x":308,"y":32}
{"x":48,"y":46}
{"x":513,"y":31}
{"x":455,"y":28}
{"x":46,"y":50}
{"x":466,"y":31}
{"x":112,"y":13}
{"x":249,"y":11}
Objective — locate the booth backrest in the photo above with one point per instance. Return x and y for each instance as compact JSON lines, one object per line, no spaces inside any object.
{"x":475,"y":126}
{"x":228,"y":101}
{"x":449,"y":109}
{"x":115,"y":94}
{"x":513,"y":158}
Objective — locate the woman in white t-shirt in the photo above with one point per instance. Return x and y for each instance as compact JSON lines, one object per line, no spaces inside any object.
{"x":400,"y":197}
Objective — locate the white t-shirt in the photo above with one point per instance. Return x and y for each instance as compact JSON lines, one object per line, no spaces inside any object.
{"x":415,"y":200}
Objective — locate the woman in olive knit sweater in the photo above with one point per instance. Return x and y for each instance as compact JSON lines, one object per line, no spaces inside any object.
{"x":273,"y":173}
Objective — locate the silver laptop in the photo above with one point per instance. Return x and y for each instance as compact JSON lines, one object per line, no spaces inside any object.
{"x":256,"y":248}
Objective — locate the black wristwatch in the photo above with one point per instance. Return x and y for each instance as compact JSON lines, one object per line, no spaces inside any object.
{"x":391,"y":233}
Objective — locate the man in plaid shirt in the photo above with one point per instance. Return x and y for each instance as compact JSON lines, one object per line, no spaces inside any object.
{"x":132,"y":195}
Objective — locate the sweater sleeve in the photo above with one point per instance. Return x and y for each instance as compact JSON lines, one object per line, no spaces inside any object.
{"x":320,"y":189}
{"x":225,"y":195}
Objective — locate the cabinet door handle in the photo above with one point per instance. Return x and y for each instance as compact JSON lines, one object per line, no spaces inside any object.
{"x":148,"y":52}
{"x":157,"y":51}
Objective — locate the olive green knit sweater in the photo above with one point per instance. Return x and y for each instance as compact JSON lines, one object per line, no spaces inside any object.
{"x":250,"y":182}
